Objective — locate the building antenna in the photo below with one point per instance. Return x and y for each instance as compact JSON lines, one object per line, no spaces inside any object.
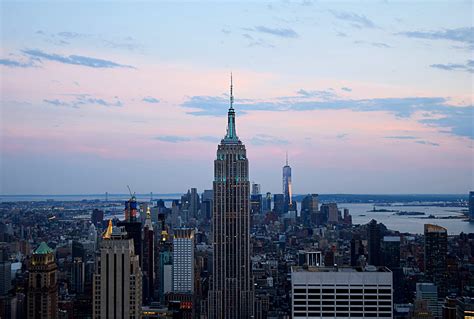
{"x":231,"y":93}
{"x":286,"y":158}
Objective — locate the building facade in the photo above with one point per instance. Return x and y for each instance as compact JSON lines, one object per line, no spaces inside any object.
{"x":436,"y":251}
{"x":331,"y":292}
{"x":183,"y":260}
{"x":117,"y":287}
{"x":231,"y":294}
{"x":42,"y":292}
{"x":287,"y":187}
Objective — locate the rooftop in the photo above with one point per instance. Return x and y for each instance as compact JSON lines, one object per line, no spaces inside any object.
{"x":43,"y":249}
{"x":339,"y":269}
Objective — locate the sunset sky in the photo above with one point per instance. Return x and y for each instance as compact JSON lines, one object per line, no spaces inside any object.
{"x":366,"y":97}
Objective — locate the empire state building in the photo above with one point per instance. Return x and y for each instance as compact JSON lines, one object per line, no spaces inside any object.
{"x":231,"y":295}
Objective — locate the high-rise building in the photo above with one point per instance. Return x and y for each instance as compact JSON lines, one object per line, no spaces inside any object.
{"x":231,"y":295}
{"x":256,"y":190}
{"x":133,"y":227}
{"x":374,"y":237}
{"x":330,"y":213}
{"x":148,"y":265}
{"x":391,"y":251}
{"x":471,"y":206}
{"x":357,"y":250}
{"x":97,"y":217}
{"x":429,"y":292}
{"x":309,"y":207}
{"x":341,"y":292}
{"x":183,"y":260}
{"x":279,"y":203}
{"x":287,"y":187}
{"x":206,"y":204}
{"x":117,"y":289}
{"x":436,"y":250}
{"x":78,"y":275}
{"x":42,"y":292}
{"x":267,"y":203}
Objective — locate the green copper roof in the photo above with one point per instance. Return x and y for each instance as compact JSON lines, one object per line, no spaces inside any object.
{"x":43,"y":249}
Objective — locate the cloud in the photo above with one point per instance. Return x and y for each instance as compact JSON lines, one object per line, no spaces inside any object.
{"x":463,"y":35}
{"x":380,"y":45}
{"x":71,"y":35}
{"x":440,"y":113}
{"x":356,"y":20}
{"x":468,"y":67}
{"x":374,"y":44}
{"x":263,"y":139}
{"x":341,"y":34}
{"x":83,"y":99}
{"x":74,"y":59}
{"x":346,"y":89}
{"x":150,"y":99}
{"x":342,"y":136}
{"x":16,"y":64}
{"x":402,"y":137}
{"x":427,"y":143}
{"x":173,"y":138}
{"x":279,"y":32}
{"x":458,"y":119}
{"x":325,"y":95}
{"x":253,"y":42}
{"x":226,"y":31}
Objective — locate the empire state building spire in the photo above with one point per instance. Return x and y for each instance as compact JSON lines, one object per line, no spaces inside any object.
{"x":231,"y":136}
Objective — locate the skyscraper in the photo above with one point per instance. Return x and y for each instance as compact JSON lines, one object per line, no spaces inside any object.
{"x":183,"y":260}
{"x":42,"y":284}
{"x":287,"y":191}
{"x":148,"y":265}
{"x":373,"y":242}
{"x":133,"y":227}
{"x":436,"y":250}
{"x":118,"y":278}
{"x":231,"y":295}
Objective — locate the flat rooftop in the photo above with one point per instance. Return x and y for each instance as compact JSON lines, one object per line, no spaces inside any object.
{"x":339,"y":269}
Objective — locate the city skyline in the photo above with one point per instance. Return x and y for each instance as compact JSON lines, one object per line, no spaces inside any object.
{"x":119,"y":104}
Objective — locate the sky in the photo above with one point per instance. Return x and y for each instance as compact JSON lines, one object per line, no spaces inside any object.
{"x":366,"y":97}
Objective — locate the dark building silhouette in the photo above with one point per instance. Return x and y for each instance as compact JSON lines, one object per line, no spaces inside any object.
{"x":391,"y":251}
{"x":279,"y":204}
{"x":148,"y":266}
{"x":373,"y":242}
{"x":97,"y":217}
{"x":471,"y":206}
{"x":357,"y":250}
{"x":436,"y":250}
{"x":309,"y":208}
{"x":132,"y":226}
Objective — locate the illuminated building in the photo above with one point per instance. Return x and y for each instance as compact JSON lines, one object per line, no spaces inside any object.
{"x":117,"y":287}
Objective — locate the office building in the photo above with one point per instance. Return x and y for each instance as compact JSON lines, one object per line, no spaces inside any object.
{"x":267,"y":203}
{"x":429,"y":292}
{"x":256,"y":190}
{"x":231,"y":294}
{"x":279,"y":203}
{"x":78,"y":275}
{"x":309,"y":208}
{"x":374,"y":236}
{"x":133,"y":227}
{"x":391,"y":251}
{"x":436,"y":250}
{"x":183,"y":260}
{"x":117,"y":287}
{"x":287,"y":188}
{"x":148,"y":262}
{"x":330,"y":213}
{"x":337,"y":292}
{"x":42,"y":292}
